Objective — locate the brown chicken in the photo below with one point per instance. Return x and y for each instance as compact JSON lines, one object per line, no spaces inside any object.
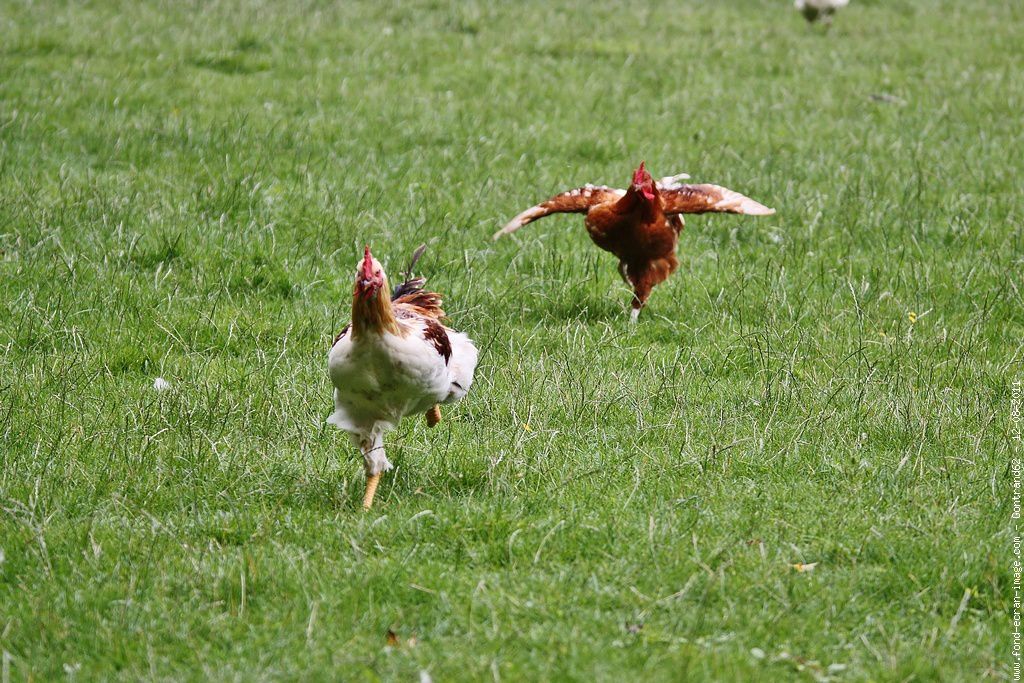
{"x":640,"y":225}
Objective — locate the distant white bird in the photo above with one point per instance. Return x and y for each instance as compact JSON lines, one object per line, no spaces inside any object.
{"x":815,"y":10}
{"x":394,"y":359}
{"x":161,"y":385}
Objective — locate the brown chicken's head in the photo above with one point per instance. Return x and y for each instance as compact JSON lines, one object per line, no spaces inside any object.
{"x":370,"y":278}
{"x":643,"y":183}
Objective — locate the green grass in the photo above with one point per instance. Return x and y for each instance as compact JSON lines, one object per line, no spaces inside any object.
{"x":184,"y":192}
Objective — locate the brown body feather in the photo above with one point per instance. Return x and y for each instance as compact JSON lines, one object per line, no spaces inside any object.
{"x":641,"y":236}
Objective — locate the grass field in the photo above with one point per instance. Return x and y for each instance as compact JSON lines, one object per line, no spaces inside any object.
{"x":185,"y":189}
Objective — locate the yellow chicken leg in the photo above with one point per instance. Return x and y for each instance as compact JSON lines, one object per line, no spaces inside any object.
{"x":371,"y":490}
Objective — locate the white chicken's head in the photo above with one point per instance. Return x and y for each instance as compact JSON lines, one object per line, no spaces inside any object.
{"x":643,"y":183}
{"x":370,"y":278}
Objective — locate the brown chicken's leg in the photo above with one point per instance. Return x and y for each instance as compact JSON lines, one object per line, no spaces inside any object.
{"x":634,"y":314}
{"x":638,"y":302}
{"x":434,"y":415}
{"x":645,"y":276}
{"x":641,"y":291}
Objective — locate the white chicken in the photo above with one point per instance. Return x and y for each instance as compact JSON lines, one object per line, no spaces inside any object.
{"x":814,"y":10}
{"x":394,"y":359}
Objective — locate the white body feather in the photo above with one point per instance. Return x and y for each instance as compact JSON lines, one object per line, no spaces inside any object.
{"x":379,"y":378}
{"x":821,"y":4}
{"x":813,"y":10}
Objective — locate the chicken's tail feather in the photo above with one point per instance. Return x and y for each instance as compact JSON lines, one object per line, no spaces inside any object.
{"x":410,"y":284}
{"x":671,"y":182}
{"x":424,"y":303}
{"x":411,"y":293}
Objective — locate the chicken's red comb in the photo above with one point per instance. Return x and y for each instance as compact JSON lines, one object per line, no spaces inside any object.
{"x":640,"y":175}
{"x":367,"y":263}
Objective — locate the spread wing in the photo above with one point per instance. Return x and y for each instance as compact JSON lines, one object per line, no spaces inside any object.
{"x":409,"y":283}
{"x":572,"y":201}
{"x":710,"y":198}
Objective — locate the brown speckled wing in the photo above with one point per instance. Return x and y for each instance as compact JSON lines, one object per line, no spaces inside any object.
{"x":573,"y":201}
{"x":710,"y":199}
{"x":435,"y":333}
